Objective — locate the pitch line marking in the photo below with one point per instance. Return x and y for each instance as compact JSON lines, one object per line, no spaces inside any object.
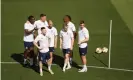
{"x":117,"y":69}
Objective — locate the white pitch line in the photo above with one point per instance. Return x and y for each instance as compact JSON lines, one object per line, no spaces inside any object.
{"x":109,"y":68}
{"x":15,"y":63}
{"x":9,"y":62}
{"x":117,"y":69}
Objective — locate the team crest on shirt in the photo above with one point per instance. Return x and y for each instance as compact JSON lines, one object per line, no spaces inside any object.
{"x":41,"y":38}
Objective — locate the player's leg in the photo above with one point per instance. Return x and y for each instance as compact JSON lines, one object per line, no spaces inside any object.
{"x":40,"y":66}
{"x":66,"y":58}
{"x":51,"y":50}
{"x":37,"y":57}
{"x":71,"y":56}
{"x":31,"y":55}
{"x":31,"y":52}
{"x":26,"y":52}
{"x":48,"y":58}
{"x":40,"y":63}
{"x":25,"y":56}
{"x":83,"y":52}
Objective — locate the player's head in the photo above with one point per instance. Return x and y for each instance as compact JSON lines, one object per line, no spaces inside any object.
{"x":31,"y":19}
{"x":43,"y":17}
{"x":67,"y":18}
{"x":65,"y":27}
{"x":43,"y":29}
{"x":50,"y":23}
{"x":82,"y":24}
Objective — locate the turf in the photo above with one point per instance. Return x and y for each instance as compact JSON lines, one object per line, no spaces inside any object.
{"x":96,"y":13}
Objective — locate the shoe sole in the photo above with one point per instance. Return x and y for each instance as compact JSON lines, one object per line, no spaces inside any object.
{"x":68,"y":68}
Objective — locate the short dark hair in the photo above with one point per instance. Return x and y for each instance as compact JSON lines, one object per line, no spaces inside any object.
{"x":43,"y":28}
{"x":68,"y":17}
{"x":30,"y":17}
{"x":82,"y":22}
{"x":42,"y":15}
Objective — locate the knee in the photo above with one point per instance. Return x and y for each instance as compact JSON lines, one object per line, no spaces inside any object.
{"x":31,"y":49}
{"x":26,"y":51}
{"x":67,"y":56}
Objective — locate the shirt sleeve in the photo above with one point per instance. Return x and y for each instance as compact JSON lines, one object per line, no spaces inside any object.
{"x":86,"y":34}
{"x":46,"y":23}
{"x":71,"y":35}
{"x":26,"y":26}
{"x":73,"y":27}
{"x":60,"y":34}
{"x":56,"y":32}
{"x":35,"y":24}
{"x":37,"y":39}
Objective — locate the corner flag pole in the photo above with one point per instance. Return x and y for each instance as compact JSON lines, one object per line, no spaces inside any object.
{"x":110,"y":44}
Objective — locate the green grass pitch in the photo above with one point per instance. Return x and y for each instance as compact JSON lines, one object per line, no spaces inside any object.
{"x":96,"y":14}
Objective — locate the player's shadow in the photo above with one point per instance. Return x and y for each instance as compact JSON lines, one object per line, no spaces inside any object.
{"x":18,"y":57}
{"x":100,"y":60}
{"x":59,"y":60}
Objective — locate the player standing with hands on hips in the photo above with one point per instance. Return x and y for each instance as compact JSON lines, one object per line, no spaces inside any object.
{"x":44,"y":56}
{"x":83,"y":37}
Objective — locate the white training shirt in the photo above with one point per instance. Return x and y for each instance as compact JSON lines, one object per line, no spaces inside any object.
{"x":29,"y":37}
{"x":39,"y":24}
{"x":43,"y":42}
{"x":71,"y":26}
{"x":83,"y":34}
{"x":66,"y":38}
{"x":53,"y":33}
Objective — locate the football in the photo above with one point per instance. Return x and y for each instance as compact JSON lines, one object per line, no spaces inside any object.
{"x":104,"y":49}
{"x":99,"y":50}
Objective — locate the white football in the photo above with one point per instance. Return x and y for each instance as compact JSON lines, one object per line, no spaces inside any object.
{"x":105,"y":50}
{"x":99,"y":50}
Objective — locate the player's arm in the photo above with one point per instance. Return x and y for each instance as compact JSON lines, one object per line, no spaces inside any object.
{"x":49,"y":39}
{"x":74,"y":31}
{"x":75,"y":34}
{"x":36,"y":30}
{"x":35,"y":42}
{"x":60,"y":40}
{"x":86,"y":34}
{"x":35,"y":34}
{"x":72,"y":42}
{"x":28,"y":31}
{"x":85,"y":40}
{"x":55,"y":41}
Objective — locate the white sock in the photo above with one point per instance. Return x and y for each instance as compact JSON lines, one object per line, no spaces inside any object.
{"x":84,"y":66}
{"x":40,"y":70}
{"x":31,"y":61}
{"x":65,"y":64}
{"x":49,"y":67}
{"x":25,"y":61}
{"x":70,"y":59}
{"x":68,"y":64}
